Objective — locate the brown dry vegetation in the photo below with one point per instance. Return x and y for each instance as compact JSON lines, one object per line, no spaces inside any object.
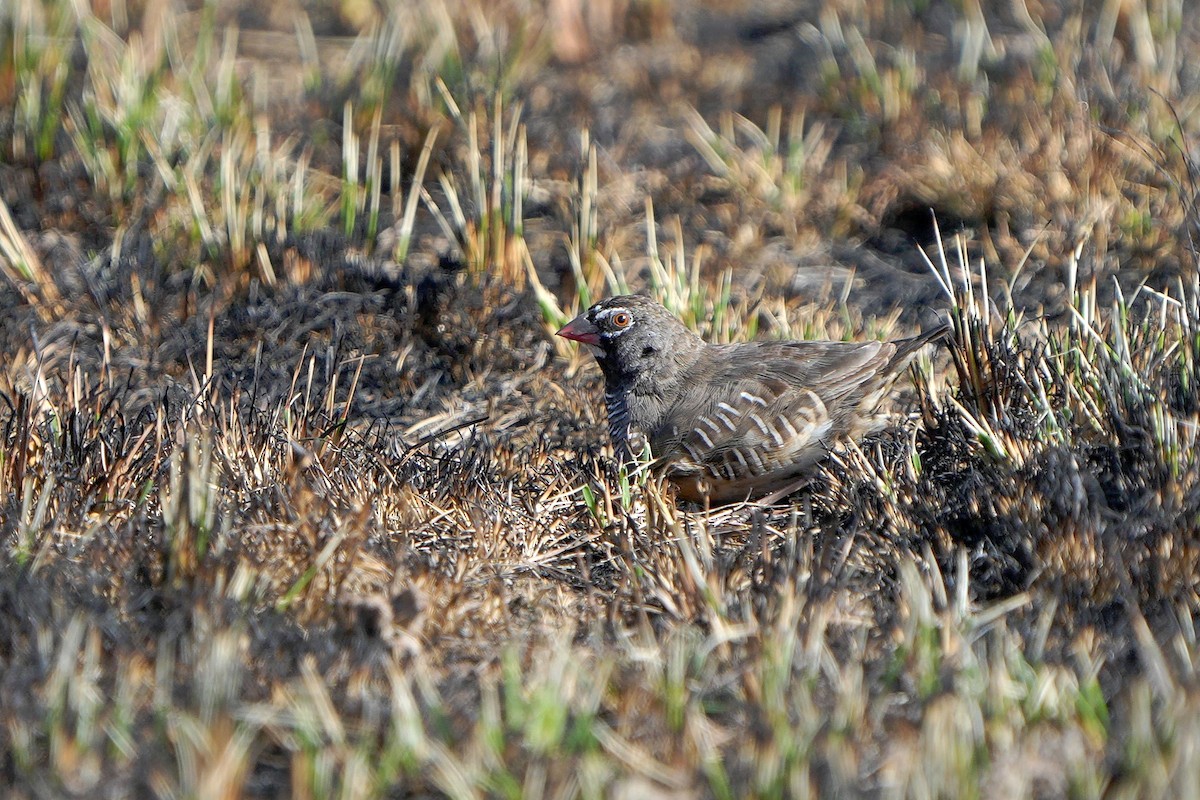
{"x":300,"y":497}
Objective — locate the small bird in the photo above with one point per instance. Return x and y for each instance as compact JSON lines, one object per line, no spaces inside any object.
{"x":729,"y":422}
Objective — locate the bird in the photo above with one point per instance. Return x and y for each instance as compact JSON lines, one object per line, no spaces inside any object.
{"x":732,"y":422}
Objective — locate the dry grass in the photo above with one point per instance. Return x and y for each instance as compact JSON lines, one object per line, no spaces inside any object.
{"x":299,"y":496}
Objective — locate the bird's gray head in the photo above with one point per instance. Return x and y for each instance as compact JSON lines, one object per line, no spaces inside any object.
{"x":632,"y":336}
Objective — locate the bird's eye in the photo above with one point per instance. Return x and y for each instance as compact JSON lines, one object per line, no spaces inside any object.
{"x":622,"y":319}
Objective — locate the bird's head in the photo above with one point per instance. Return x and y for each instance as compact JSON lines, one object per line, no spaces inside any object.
{"x":632,"y":335}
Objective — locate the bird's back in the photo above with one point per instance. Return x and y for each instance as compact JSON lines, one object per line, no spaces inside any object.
{"x":756,"y":416}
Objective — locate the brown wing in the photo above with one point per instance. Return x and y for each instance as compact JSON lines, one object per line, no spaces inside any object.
{"x":766,"y":409}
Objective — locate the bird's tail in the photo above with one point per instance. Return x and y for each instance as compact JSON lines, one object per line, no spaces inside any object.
{"x":906,"y":347}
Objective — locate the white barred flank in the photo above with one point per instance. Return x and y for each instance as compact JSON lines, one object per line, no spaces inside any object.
{"x":787,"y":423}
{"x":762,"y":426}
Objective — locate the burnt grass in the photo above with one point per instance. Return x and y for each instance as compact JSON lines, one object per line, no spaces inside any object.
{"x":356,"y":529}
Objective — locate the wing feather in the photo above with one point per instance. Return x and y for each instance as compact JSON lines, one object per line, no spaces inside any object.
{"x":761,"y":410}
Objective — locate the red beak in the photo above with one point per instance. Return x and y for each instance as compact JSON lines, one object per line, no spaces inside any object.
{"x":581,"y":330}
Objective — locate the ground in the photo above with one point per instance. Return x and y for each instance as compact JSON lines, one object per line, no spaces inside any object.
{"x":299,"y":494}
